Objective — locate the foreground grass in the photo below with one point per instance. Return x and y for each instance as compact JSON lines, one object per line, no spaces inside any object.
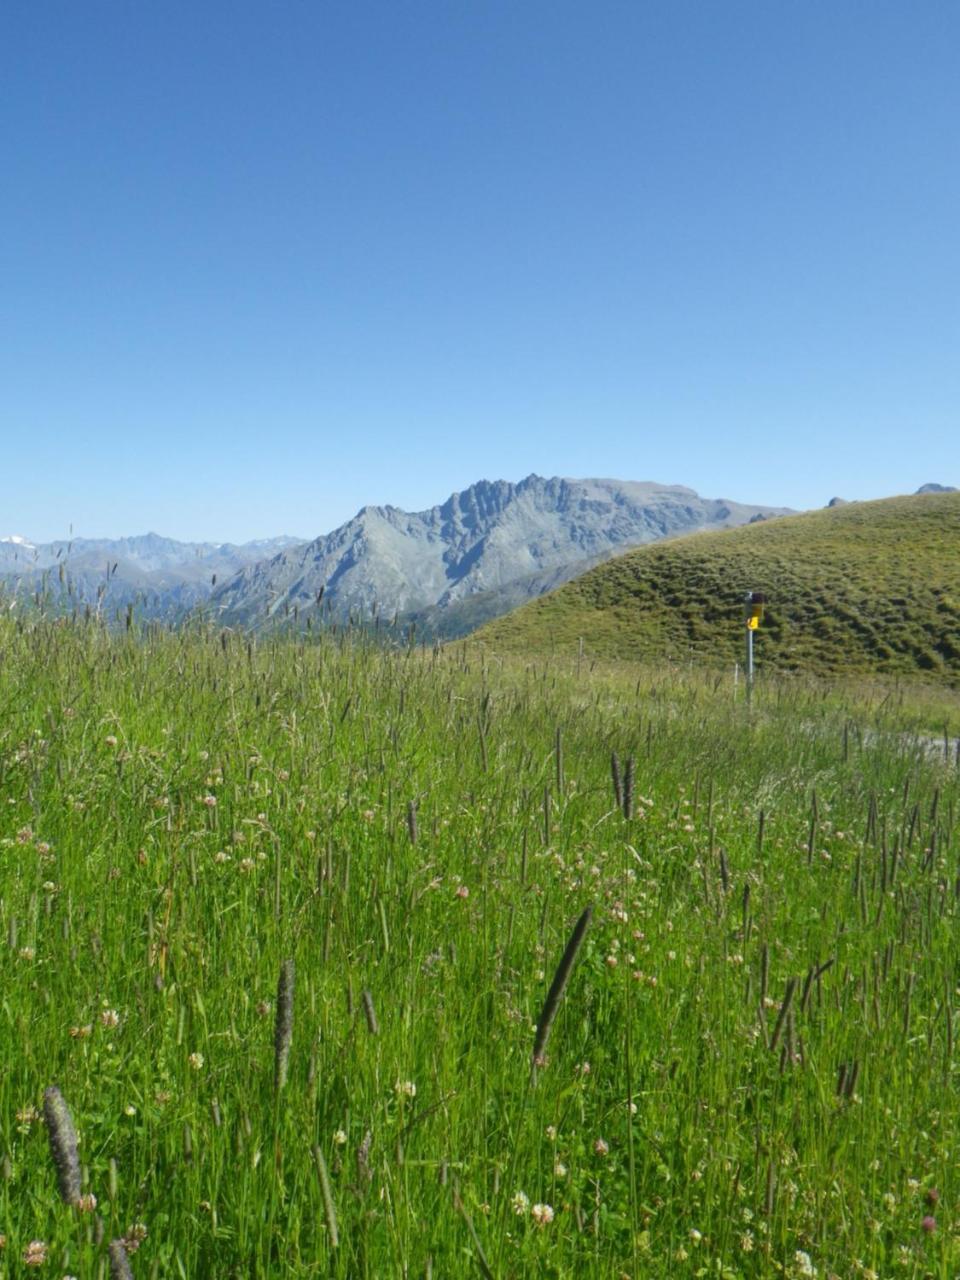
{"x":752,"y":1070}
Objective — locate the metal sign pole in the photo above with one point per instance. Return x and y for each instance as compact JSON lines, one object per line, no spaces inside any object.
{"x":749,"y":664}
{"x":753,"y":603}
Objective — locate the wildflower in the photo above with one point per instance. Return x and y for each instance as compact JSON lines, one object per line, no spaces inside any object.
{"x":136,"y":1234}
{"x":542,"y":1214}
{"x":87,"y":1203}
{"x":803,"y":1264}
{"x":109,"y":1018}
{"x":932,"y":1196}
{"x":110,"y":740}
{"x":129,"y":1109}
{"x":695,"y":1235}
{"x":246,"y":864}
{"x":81,"y":1033}
{"x":210,"y":801}
{"x":221,"y":856}
{"x":520,"y":1204}
{"x":560,"y":1169}
{"x":583,"y":1068}
{"x":340,"y":1138}
{"x":928,"y":1223}
{"x":463,"y":891}
{"x":35,"y":1254}
{"x":551,"y":1132}
{"x":405,"y":1089}
{"x":196,"y":1061}
{"x":601,"y":1148}
{"x":746,"y":1242}
{"x":27,"y":953}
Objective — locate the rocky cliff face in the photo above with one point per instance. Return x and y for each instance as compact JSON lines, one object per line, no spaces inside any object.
{"x":478,"y":554}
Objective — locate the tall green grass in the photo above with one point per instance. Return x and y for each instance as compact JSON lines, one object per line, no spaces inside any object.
{"x":751,"y":1068}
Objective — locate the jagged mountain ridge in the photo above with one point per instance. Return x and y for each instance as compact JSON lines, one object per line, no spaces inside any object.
{"x":470,"y":558}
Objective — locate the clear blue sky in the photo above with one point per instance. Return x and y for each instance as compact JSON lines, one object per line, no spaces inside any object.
{"x":262,"y":263}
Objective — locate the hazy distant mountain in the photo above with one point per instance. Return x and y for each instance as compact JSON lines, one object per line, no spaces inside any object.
{"x":478,"y":554}
{"x":936,"y":488}
{"x":161,"y":576}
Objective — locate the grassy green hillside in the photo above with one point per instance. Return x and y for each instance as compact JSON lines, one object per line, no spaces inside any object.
{"x":870,"y":587}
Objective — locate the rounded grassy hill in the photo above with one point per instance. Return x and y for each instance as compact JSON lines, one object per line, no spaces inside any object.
{"x":865,"y":587}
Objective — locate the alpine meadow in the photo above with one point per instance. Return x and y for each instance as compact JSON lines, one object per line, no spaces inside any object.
{"x":322,"y":958}
{"x":480,"y":640}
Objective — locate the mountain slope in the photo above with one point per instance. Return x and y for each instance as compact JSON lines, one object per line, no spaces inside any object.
{"x":497,"y":541}
{"x":872,"y":586}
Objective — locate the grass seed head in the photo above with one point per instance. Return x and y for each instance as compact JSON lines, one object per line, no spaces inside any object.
{"x":558,"y":986}
{"x":283,"y":1027}
{"x":63,"y":1144}
{"x":119,"y":1262}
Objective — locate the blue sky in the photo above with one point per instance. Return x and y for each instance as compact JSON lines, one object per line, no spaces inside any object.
{"x":261,"y":264}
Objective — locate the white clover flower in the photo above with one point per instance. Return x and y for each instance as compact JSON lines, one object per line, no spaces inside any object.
{"x":520,"y":1204}
{"x":542,"y":1214}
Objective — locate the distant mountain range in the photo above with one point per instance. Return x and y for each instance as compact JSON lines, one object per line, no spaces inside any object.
{"x":162,"y":577}
{"x":472,"y":558}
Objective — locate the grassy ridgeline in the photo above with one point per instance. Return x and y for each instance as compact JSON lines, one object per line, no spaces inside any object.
{"x":183,"y":819}
{"x":868,"y":587}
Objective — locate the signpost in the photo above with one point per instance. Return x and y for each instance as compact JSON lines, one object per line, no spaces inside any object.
{"x":753,"y":603}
